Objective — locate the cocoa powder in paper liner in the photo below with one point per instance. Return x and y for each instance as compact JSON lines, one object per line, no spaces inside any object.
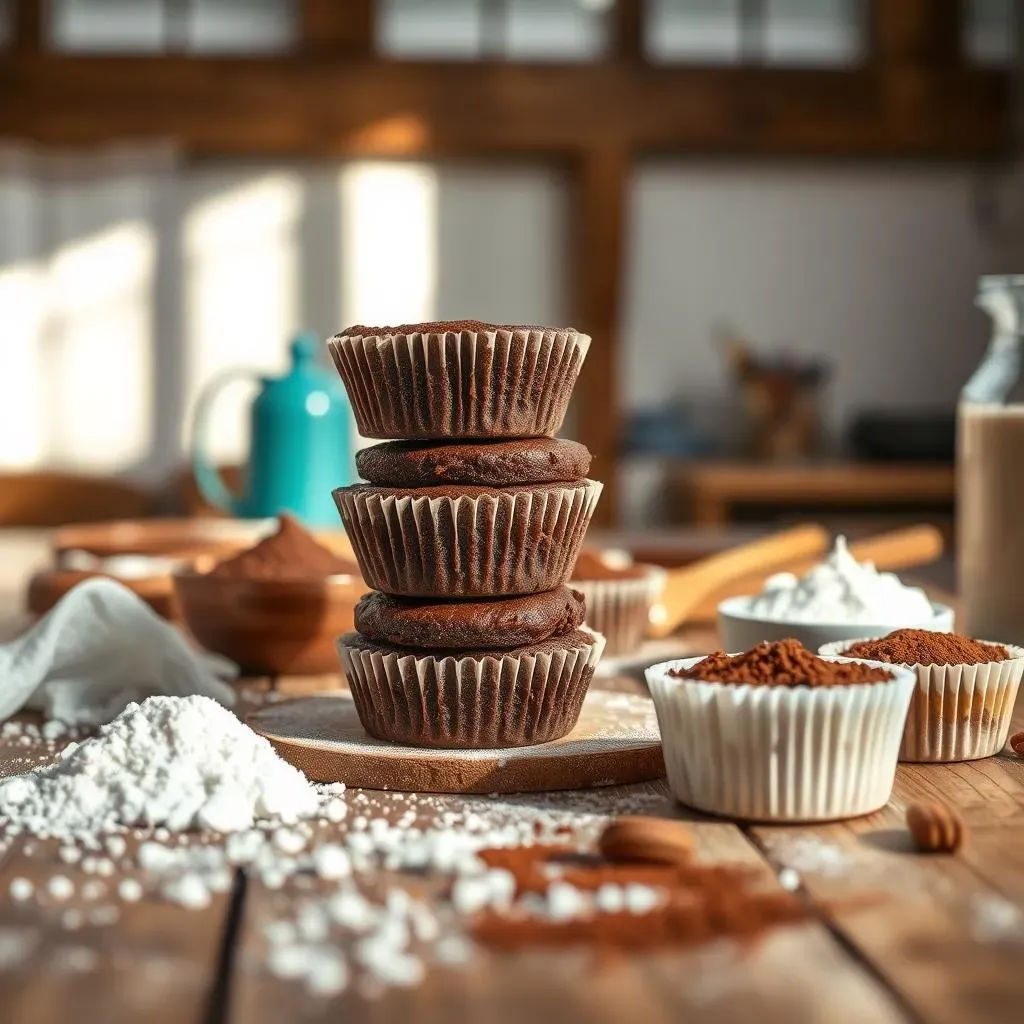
{"x":498,"y":544}
{"x":464,"y":701}
{"x":504,"y":382}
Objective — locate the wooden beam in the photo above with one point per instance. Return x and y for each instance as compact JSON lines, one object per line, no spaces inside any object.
{"x":627,"y":29}
{"x":28,"y":27}
{"x":597,"y":241}
{"x":918,"y":32}
{"x":337,"y":26}
{"x":371,"y":107}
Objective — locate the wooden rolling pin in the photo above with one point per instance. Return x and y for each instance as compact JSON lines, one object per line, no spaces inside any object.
{"x":687,"y":588}
{"x":890,"y":552}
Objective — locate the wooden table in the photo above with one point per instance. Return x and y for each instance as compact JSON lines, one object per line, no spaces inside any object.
{"x":712,"y":488}
{"x":897,"y":936}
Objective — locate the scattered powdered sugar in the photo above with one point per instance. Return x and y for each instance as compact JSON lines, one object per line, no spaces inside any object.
{"x":181,"y":762}
{"x":994,"y":919}
{"x":807,"y":855}
{"x":17,"y":946}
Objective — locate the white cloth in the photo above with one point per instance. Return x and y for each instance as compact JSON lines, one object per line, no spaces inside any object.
{"x":99,"y":648}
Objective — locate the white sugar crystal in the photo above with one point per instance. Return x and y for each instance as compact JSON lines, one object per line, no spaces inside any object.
{"x":188,"y":890}
{"x":789,"y":879}
{"x":565,"y":902}
{"x":116,"y":846}
{"x":332,"y":862}
{"x":21,"y":889}
{"x":176,"y":762}
{"x":288,"y":840}
{"x":610,"y":898}
{"x":641,"y":899}
{"x":53,"y":729}
{"x":453,"y":949}
{"x":130,"y":890}
{"x":70,"y":854}
{"x":60,"y":887}
{"x":473,"y":893}
{"x":335,"y":810}
{"x":93,"y":890}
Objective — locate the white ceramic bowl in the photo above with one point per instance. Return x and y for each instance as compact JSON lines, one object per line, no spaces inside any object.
{"x":780,"y":753}
{"x":739,"y":629}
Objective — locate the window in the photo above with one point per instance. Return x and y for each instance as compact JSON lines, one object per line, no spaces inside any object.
{"x":990,"y":32}
{"x":820,"y":33}
{"x":156,"y":26}
{"x":555,"y":30}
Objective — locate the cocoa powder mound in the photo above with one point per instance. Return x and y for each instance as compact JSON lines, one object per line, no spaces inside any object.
{"x":701,"y":903}
{"x":926,"y":647}
{"x":290,"y":553}
{"x":783,"y":663}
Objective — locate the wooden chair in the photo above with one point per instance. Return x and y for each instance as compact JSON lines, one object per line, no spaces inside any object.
{"x":58,"y":499}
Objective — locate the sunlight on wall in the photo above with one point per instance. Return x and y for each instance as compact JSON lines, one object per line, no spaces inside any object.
{"x":388,"y":245}
{"x":241,"y":296}
{"x":98,"y":349}
{"x":22,"y":299}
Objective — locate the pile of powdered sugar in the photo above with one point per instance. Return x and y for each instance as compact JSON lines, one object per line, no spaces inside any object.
{"x":182,"y":762}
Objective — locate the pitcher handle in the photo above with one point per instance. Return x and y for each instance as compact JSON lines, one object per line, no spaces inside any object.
{"x":206,"y":475}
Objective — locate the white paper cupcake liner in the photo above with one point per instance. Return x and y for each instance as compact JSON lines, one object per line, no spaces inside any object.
{"x":621,"y":608}
{"x":466,"y":384}
{"x":780,"y":753}
{"x":958,"y":712}
{"x":496,"y":545}
{"x":504,"y":700}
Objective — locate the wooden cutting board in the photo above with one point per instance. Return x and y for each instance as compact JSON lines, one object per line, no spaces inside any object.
{"x":615,"y":741}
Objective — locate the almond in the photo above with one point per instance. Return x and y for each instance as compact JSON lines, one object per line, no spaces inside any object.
{"x":935,"y":828}
{"x":1017,"y":742}
{"x":650,"y":840}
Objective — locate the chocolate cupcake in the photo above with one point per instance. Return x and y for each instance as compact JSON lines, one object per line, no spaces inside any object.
{"x":619,"y":595}
{"x":467,"y":541}
{"x":470,"y":625}
{"x":458,"y":379}
{"x":470,"y":699}
{"x":535,"y":460}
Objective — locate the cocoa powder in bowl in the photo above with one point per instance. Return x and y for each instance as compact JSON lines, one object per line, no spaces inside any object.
{"x":290,"y":553}
{"x":926,"y":647}
{"x":783,"y":663}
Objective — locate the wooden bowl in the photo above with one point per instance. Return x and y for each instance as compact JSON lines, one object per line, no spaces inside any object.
{"x":48,"y":586}
{"x":269,"y":627}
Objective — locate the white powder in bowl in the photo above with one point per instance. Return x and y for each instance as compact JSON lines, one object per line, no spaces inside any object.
{"x":182,"y":762}
{"x":841,"y":589}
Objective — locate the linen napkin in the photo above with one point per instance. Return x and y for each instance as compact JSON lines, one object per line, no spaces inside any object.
{"x":99,"y":648}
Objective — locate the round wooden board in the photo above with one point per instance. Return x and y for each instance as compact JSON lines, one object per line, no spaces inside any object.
{"x":615,"y":741}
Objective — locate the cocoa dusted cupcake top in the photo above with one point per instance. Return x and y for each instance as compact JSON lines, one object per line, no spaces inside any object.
{"x":537,"y":460}
{"x":440,"y":327}
{"x":501,"y":624}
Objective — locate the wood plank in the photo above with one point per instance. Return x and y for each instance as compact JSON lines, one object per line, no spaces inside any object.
{"x":291,"y":106}
{"x":598,"y":247}
{"x":785,"y":977}
{"x":925,"y":933}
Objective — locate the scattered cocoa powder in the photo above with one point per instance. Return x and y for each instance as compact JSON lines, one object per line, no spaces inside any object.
{"x":701,"y":903}
{"x":290,"y":553}
{"x":784,"y":663}
{"x":926,"y":647}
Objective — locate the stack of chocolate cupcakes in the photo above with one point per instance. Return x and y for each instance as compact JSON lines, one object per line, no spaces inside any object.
{"x":468,"y":529}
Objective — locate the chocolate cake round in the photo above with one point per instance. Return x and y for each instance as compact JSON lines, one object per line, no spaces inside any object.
{"x":467,"y":541}
{"x":536,"y":460}
{"x":458,"y":379}
{"x":470,"y":699}
{"x":497,"y":625}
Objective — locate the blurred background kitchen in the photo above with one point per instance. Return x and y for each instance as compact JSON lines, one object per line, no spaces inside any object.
{"x":771,"y":215}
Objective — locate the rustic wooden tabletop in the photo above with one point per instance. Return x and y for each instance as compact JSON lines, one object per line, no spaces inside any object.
{"x":896,"y":936}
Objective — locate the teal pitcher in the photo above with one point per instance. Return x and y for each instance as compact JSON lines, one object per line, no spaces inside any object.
{"x":300,"y":448}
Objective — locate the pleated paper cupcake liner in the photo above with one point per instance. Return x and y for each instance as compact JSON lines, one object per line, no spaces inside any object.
{"x":958,"y":712}
{"x":504,"y":700}
{"x":500,"y":545}
{"x":620,"y":609}
{"x":780,"y":753}
{"x":460,"y":384}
